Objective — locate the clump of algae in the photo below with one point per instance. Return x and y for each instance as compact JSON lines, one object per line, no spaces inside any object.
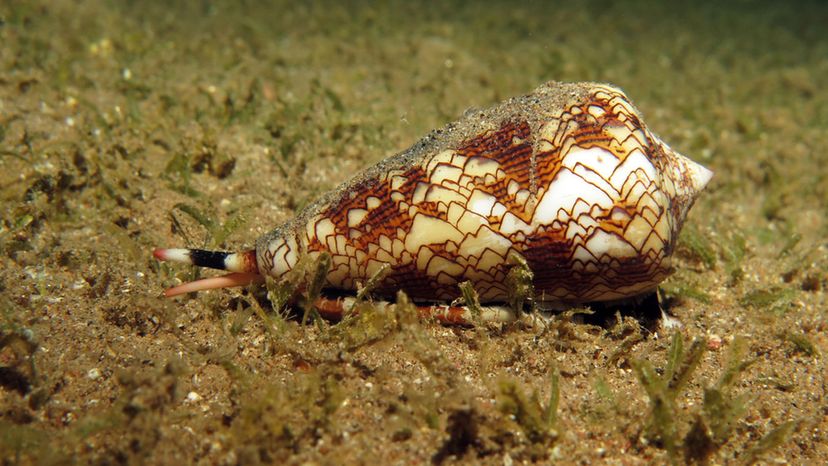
{"x":712,"y":424}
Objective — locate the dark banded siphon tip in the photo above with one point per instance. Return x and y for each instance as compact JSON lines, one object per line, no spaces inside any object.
{"x":241,"y":264}
{"x":232,"y":261}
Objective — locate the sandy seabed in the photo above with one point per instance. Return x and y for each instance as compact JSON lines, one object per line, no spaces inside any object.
{"x":130,"y":125}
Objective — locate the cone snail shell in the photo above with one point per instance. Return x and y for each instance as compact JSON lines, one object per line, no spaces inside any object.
{"x":568,"y":177}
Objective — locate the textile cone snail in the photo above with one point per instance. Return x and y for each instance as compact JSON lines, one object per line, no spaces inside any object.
{"x":568,"y":178}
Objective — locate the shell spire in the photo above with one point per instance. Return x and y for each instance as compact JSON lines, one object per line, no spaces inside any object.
{"x":699,"y":175}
